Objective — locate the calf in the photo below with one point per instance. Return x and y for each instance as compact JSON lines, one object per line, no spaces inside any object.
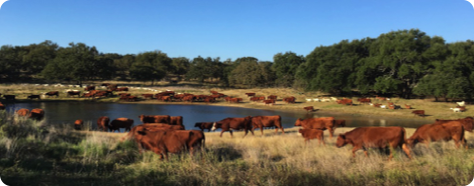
{"x":419,"y":113}
{"x":317,"y":123}
{"x":309,"y":134}
{"x":374,"y":137}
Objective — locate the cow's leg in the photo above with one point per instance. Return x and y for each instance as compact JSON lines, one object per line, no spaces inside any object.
{"x":406,"y":150}
{"x":232,"y":135}
{"x":261,"y":129}
{"x":331,"y":132}
{"x":283,"y":131}
{"x":354,"y":149}
{"x":322,"y":140}
{"x":221,"y":133}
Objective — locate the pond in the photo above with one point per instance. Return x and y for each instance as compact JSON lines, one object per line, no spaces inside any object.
{"x":67,"y":112}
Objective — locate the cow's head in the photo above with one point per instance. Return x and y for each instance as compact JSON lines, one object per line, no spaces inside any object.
{"x":341,"y":140}
{"x":411,"y":142}
{"x":141,"y":117}
{"x":298,"y":122}
{"x":198,"y":125}
{"x":215,"y":126}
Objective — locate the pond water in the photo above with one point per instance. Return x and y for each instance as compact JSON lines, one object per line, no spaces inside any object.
{"x":67,"y":112}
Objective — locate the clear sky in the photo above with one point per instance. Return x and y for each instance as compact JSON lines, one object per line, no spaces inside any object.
{"x":226,"y":28}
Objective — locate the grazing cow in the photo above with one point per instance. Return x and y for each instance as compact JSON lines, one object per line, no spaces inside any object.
{"x":374,"y":137}
{"x":317,"y":123}
{"x":176,"y":120}
{"x":289,"y":99}
{"x":250,"y":94}
{"x":214,"y":92}
{"x":364,"y":100}
{"x":407,"y":106}
{"x":269,"y":102}
{"x":344,"y":101}
{"x":23,"y":112}
{"x":9,"y":97}
{"x":309,"y":134}
{"x":419,"y":113}
{"x":118,"y":123}
{"x":155,"y":118}
{"x":73,"y":93}
{"x":467,"y":123}
{"x":163,"y":141}
{"x":309,"y":108}
{"x":36,"y":114}
{"x":52,"y":93}
{"x":33,"y":97}
{"x":204,"y":125}
{"x":103,"y":123}
{"x":272,"y":97}
{"x":452,"y":130}
{"x":267,"y":121}
{"x":229,"y":124}
{"x":78,"y":124}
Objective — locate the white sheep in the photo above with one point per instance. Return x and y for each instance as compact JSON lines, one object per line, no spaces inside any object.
{"x":462,"y":103}
{"x":456,"y":109}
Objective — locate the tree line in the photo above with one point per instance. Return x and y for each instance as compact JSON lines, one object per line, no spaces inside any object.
{"x":403,"y":62}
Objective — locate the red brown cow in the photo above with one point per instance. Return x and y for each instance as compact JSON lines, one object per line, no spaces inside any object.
{"x":309,"y":108}
{"x":52,"y":93}
{"x":147,"y":96}
{"x":36,"y":114}
{"x":452,"y":130}
{"x":23,"y":112}
{"x":204,"y":125}
{"x":229,"y":124}
{"x":118,"y":123}
{"x":155,"y":118}
{"x":103,"y":123}
{"x":152,"y":127}
{"x":467,"y":123}
{"x":73,"y":93}
{"x":374,"y":137}
{"x":407,"y":106}
{"x":419,"y":112}
{"x":364,"y":100}
{"x":78,"y":124}
{"x":289,"y":99}
{"x":269,"y":102}
{"x":272,"y":97}
{"x":267,"y":121}
{"x":317,"y":123}
{"x":309,"y":134}
{"x":344,"y":101}
{"x":250,"y":94}
{"x":176,"y":120}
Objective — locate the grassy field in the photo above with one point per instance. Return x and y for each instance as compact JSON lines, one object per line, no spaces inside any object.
{"x":433,"y":110}
{"x":33,"y":153}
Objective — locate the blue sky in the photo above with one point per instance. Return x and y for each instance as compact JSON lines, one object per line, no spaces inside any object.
{"x":226,"y":28}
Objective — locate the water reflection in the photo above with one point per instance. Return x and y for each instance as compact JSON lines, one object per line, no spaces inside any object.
{"x":68,"y":112}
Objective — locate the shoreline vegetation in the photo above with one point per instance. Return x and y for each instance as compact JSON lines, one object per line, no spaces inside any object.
{"x":35,"y":153}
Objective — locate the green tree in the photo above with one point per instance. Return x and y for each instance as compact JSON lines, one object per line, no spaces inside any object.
{"x":150,"y":66}
{"x":250,"y":72}
{"x":180,"y":66}
{"x":122,"y":65}
{"x":78,"y":62}
{"x":11,"y":62}
{"x":285,"y":67}
{"x":38,"y":56}
{"x":205,"y":68}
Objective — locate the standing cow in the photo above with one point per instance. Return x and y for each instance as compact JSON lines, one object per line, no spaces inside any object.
{"x":318,"y":123}
{"x":452,"y":130}
{"x":267,"y":121}
{"x":230,"y":124}
{"x":374,"y":137}
{"x":118,"y":123}
{"x":103,"y":123}
{"x":36,"y":114}
{"x":204,"y":125}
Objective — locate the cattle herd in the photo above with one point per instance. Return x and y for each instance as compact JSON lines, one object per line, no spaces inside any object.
{"x":165,"y":134}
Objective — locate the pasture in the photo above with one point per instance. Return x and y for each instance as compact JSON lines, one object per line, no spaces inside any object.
{"x":34,"y":153}
{"x":433,"y":110}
